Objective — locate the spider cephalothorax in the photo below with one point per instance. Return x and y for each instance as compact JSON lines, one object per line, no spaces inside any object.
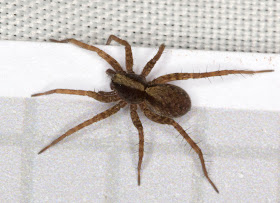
{"x":159,"y":101}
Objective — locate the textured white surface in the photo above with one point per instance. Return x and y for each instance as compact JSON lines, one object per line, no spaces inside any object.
{"x":99,"y":162}
{"x":228,"y":25}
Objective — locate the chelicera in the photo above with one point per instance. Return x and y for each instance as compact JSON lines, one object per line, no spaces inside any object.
{"x":159,"y":101}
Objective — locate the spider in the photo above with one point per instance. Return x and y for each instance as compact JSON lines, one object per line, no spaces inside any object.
{"x":159,"y":101}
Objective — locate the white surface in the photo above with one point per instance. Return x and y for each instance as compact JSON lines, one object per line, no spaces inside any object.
{"x":240,"y":139}
{"x":27,"y":68}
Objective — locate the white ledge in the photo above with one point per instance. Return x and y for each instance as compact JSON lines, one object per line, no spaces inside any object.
{"x":28,"y":67}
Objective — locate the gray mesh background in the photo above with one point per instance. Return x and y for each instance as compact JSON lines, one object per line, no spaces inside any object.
{"x":226,"y":25}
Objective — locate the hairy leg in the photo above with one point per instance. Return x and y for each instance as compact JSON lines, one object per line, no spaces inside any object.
{"x":149,"y":66}
{"x":101,"y":53}
{"x":164,"y":120}
{"x":128,"y":52}
{"x":98,"y":117}
{"x":185,"y":76}
{"x":137,"y":123}
{"x":112,"y":93}
{"x":99,"y":96}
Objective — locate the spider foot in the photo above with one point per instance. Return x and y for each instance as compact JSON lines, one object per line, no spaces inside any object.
{"x":139,"y":179}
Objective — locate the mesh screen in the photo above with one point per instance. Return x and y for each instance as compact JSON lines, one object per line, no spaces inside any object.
{"x":226,"y":25}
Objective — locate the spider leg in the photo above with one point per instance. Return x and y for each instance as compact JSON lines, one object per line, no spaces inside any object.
{"x":149,"y":66}
{"x":185,"y":76}
{"x":137,"y":123}
{"x":128,"y":52}
{"x":165,"y":120}
{"x":98,"y":117}
{"x":101,"y":53}
{"x":112,"y":93}
{"x":99,"y":96}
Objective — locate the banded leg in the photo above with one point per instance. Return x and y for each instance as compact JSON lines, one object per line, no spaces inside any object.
{"x":137,"y":123}
{"x":101,"y":53}
{"x":128,"y":52}
{"x":149,"y":66}
{"x":164,"y":120}
{"x":98,"y":117}
{"x":185,"y":76}
{"x":99,"y":96}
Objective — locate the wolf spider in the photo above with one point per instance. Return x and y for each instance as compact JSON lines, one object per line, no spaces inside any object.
{"x":159,"y":101}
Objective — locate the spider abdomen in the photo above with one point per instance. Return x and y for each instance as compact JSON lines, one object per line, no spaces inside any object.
{"x":167,"y":100}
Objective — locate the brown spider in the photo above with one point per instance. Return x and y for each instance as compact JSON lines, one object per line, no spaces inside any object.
{"x":159,"y":101}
